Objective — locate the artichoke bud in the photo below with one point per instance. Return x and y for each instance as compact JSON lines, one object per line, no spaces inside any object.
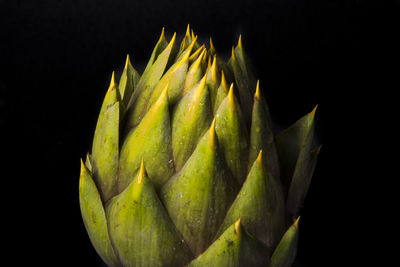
{"x":185,"y":169}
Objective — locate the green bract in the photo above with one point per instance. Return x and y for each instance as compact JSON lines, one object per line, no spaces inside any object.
{"x":185,"y":169}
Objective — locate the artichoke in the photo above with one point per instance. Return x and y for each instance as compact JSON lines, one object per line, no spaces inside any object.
{"x":185,"y":169}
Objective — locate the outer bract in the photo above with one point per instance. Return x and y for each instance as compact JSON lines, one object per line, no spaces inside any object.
{"x":185,"y":169}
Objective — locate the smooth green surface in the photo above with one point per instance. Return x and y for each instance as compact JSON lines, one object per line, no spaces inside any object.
{"x":194,"y":75}
{"x":232,"y":136}
{"x":260,"y":206}
{"x":94,"y":217}
{"x":234,"y":248}
{"x":140,"y":229}
{"x":105,"y":148}
{"x":289,"y":144}
{"x":301,"y":182}
{"x":174,"y":78}
{"x":221,"y":93}
{"x":128,"y":81}
{"x":243,"y":86}
{"x":244,"y":63}
{"x":150,"y":140}
{"x":213,"y":81}
{"x":262,"y":137}
{"x":199,"y":195}
{"x":190,"y":120}
{"x":145,"y":87}
{"x":285,"y":253}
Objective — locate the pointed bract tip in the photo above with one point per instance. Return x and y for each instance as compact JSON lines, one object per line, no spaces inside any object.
{"x":162,"y":35}
{"x":187,"y":31}
{"x":233,"y":53}
{"x":259,"y":157}
{"x":223,"y":82}
{"x":190,"y":47}
{"x":201,"y":86}
{"x":212,"y":47}
{"x":142,"y":172}
{"x":127,"y":62}
{"x":193,"y":36}
{"x":231,"y":97}
{"x":200,"y":58}
{"x":240,"y":45}
{"x":237,"y":227}
{"x":83,"y":167}
{"x":209,"y":63}
{"x":163,"y":95}
{"x":257,"y":93}
{"x":173,"y":38}
{"x":112,"y":82}
{"x":172,"y":42}
{"x":296,"y":223}
{"x":312,"y":113}
{"x":214,"y":69}
{"x":205,"y":56}
{"x":164,"y":92}
{"x":198,"y":51}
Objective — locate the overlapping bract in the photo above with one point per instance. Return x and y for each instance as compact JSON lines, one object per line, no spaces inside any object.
{"x":185,"y":168}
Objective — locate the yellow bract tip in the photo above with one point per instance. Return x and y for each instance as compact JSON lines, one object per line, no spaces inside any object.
{"x":197,"y":63}
{"x":296,"y":223}
{"x":233,"y":54}
{"x":204,"y":60}
{"x":257,"y":93}
{"x":201,"y":86}
{"x":198,"y":51}
{"x":231,"y":97}
{"x":240,"y":45}
{"x":163,"y":95}
{"x":237,"y":227}
{"x":192,"y":34}
{"x":212,"y":47}
{"x":83,"y":167}
{"x":172,"y":42}
{"x":209,"y":63}
{"x":192,"y":44}
{"x":214,"y":69}
{"x":187,"y":31}
{"x":312,"y":113}
{"x":112,"y":83}
{"x":128,"y":61}
{"x":259,"y":157}
{"x":223,"y":82}
{"x":162,"y":36}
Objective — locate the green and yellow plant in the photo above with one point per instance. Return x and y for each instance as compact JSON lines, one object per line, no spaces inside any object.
{"x":185,"y":169}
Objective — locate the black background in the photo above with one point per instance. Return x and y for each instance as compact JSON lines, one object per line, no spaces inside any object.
{"x":56,"y":61}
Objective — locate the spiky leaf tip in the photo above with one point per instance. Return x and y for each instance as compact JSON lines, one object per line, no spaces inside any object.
{"x":260,"y":205}
{"x":234,"y":248}
{"x":140,"y":229}
{"x":105,"y":148}
{"x":232,"y":135}
{"x":198,"y":196}
{"x":262,"y":136}
{"x":150,"y":140}
{"x":190,"y":120}
{"x":94,"y":217}
{"x":285,"y":253}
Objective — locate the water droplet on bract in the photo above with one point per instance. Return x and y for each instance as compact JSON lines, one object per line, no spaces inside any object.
{"x":171,"y":164}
